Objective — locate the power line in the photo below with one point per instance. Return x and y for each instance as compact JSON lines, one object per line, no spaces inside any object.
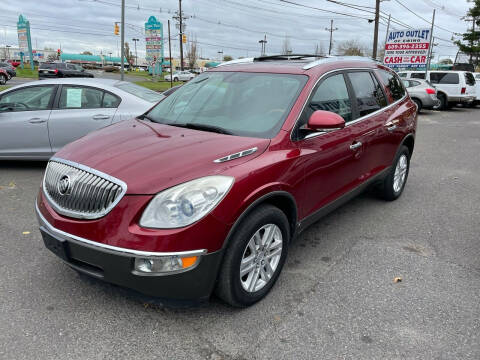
{"x":427,"y":21}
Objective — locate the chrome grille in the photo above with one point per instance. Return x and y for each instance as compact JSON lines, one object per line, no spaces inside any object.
{"x":81,"y":192}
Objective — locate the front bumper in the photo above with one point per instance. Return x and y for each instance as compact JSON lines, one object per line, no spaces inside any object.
{"x":464,"y":99}
{"x":115,"y":265}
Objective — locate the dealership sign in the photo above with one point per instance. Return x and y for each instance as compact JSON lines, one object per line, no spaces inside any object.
{"x":407,"y":48}
{"x":154,"y":44}
{"x":24,"y":40}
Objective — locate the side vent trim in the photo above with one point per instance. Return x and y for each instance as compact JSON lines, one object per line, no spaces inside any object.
{"x":236,"y":155}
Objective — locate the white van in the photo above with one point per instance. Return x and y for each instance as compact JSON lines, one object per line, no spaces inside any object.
{"x":477,"y":86}
{"x":453,"y":87}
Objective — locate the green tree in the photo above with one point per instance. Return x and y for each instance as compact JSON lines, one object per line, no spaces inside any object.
{"x":470,"y":43}
{"x":87,"y":53}
{"x":227,"y":58}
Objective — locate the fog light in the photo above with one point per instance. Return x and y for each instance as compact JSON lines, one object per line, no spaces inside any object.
{"x":164,"y":264}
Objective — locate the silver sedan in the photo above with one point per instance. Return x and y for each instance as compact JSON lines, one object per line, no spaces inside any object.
{"x":40,"y":117}
{"x":422,"y":93}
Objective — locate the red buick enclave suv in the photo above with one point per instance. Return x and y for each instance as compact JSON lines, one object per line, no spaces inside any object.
{"x":205,"y":192}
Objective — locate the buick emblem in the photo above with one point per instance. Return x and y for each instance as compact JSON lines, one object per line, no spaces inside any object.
{"x":64,"y":185}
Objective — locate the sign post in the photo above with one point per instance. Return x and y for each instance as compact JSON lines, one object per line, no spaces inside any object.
{"x":154,"y":44}
{"x":407,"y":48}
{"x":24,"y":40}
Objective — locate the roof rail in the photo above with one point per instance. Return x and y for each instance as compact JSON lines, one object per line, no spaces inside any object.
{"x":237,"y":61}
{"x":287,"y":57}
{"x":328,"y":59}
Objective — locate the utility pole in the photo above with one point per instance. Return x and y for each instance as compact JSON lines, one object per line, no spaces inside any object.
{"x":375,"y":31}
{"x":122,"y":36}
{"x":430,"y":45}
{"x":181,"y":27}
{"x":386,"y":35}
{"x":331,"y":30}
{"x":135,"y":41}
{"x":170,"y":55}
{"x":263,"y":45}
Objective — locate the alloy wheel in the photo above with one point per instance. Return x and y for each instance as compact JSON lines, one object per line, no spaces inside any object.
{"x":261,"y":258}
{"x":400,"y":173}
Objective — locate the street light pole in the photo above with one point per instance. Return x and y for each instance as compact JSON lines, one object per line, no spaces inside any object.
{"x":122,"y":35}
{"x":135,"y":42}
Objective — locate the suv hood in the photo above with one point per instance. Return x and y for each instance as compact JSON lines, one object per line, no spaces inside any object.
{"x":151,"y":157}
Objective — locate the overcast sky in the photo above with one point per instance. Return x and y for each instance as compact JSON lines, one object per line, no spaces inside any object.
{"x":80,"y":25}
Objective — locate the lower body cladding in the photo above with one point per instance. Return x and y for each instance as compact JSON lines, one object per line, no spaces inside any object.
{"x":188,"y":276}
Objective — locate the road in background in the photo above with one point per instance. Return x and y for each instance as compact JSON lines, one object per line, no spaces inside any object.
{"x":336,"y":297}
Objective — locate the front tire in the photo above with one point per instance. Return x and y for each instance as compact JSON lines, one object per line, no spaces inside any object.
{"x":396,"y":179}
{"x":175,"y":79}
{"x":255,"y":257}
{"x":3,"y":79}
{"x":443,"y":102}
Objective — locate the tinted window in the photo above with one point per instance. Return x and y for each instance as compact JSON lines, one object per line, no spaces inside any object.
{"x":27,"y":99}
{"x":110,"y":100}
{"x":418,"y":75}
{"x":244,"y":104}
{"x":469,"y":79}
{"x":477,"y":76}
{"x":444,"y":78}
{"x":330,"y":95}
{"x":368,"y":94}
{"x":414,"y":83}
{"x":77,"y":97}
{"x":402,"y":75}
{"x":393,"y":85}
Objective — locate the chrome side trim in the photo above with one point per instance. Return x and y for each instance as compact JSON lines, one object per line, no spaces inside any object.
{"x":109,"y":248}
{"x":236,"y":155}
{"x":77,"y":214}
{"x":346,"y":124}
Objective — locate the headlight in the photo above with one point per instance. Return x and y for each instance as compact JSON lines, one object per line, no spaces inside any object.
{"x":186,"y":203}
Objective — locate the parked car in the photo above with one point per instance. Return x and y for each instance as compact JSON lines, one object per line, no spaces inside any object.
{"x":38,"y":118}
{"x":180,"y":76}
{"x":14,"y":63}
{"x":422,"y":93}
{"x":453,"y":87}
{"x":4,"y":77}
{"x":207,"y":189}
{"x":10,"y":69}
{"x":477,"y":87}
{"x":60,"y":70}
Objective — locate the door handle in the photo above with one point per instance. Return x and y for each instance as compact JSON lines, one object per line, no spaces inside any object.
{"x":355,"y":145}
{"x":100,"y":117}
{"x":391,"y":127}
{"x":36,"y":121}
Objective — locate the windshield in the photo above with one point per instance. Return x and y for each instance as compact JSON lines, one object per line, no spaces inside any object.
{"x":243,"y":104}
{"x":140,"y":91}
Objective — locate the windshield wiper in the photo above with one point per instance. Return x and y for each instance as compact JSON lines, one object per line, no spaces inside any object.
{"x":205,"y":127}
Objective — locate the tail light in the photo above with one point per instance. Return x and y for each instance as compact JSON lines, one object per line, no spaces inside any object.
{"x":430,"y":91}
{"x":464,"y":90}
{"x":55,"y":71}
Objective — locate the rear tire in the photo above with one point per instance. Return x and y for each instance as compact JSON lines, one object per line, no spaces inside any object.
{"x":175,"y":79}
{"x":443,"y":102}
{"x":395,"y":181}
{"x":3,"y":79}
{"x":419,"y":104}
{"x":252,"y":253}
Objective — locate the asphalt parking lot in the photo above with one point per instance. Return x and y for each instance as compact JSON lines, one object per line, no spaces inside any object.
{"x":335,"y":299}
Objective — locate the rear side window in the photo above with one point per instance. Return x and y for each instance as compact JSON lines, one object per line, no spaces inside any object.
{"x":110,"y":101}
{"x":402,"y":75}
{"x":444,"y":78}
{"x":418,"y":76}
{"x":75,"y":97}
{"x":368,"y":94}
{"x":393,"y":85}
{"x":414,"y":83}
{"x":469,"y":79}
{"x":331,"y":95}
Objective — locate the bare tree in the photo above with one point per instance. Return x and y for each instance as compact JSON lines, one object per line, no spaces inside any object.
{"x":286,"y":47}
{"x":351,"y":48}
{"x":192,"y":54}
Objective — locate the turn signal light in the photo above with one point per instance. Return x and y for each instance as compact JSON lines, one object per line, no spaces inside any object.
{"x":430,"y":91}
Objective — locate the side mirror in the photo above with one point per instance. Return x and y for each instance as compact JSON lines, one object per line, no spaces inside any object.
{"x":325,"y":120}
